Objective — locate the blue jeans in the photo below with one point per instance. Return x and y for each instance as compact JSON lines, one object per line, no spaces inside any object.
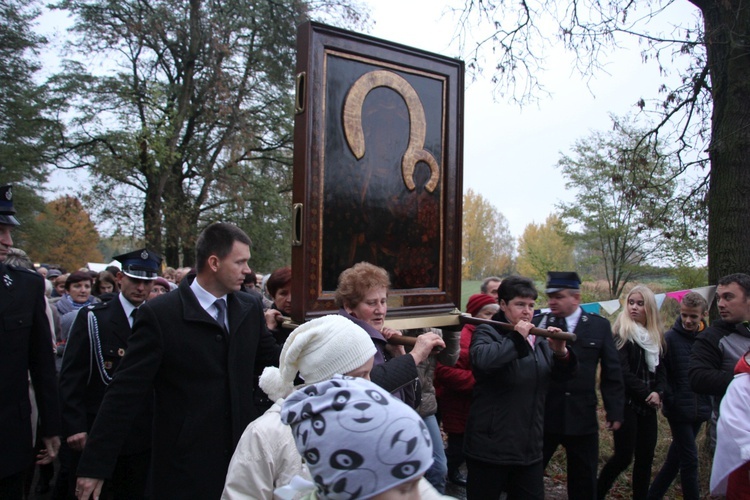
{"x":438,"y":471}
{"x":683,"y":457}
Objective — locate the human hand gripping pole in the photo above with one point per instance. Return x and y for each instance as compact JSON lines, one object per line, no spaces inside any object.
{"x":464,"y":319}
{"x":540,"y":332}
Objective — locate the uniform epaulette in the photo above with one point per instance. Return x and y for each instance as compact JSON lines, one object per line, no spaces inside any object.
{"x":24,"y":270}
{"x":96,"y":306}
{"x":593,"y":316}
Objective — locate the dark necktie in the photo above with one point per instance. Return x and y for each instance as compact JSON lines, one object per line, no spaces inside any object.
{"x":133,"y":315}
{"x":221,"y":306}
{"x":562,"y":324}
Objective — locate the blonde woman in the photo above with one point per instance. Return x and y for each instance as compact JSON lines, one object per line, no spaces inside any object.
{"x":639,"y":339}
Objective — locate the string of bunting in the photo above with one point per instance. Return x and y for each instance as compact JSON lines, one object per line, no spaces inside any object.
{"x":611,"y":306}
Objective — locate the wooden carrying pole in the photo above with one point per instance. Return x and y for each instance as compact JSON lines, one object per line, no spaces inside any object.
{"x":464,"y":319}
{"x":567,"y":336}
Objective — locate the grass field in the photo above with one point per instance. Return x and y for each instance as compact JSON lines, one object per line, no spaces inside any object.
{"x":468,"y":288}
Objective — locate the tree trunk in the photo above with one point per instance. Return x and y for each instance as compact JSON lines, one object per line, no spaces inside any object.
{"x":188,"y":246}
{"x":152,"y":219}
{"x":727,"y":31}
{"x":152,"y":206}
{"x":175,"y":220}
{"x":181,"y":220}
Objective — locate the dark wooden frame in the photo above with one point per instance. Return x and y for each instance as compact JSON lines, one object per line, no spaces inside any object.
{"x":326,"y":56}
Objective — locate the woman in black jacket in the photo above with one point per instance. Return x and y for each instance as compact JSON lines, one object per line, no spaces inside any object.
{"x":504,"y":431}
{"x":638,"y":336}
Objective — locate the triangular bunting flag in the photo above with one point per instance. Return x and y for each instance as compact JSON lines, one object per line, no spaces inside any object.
{"x":610,"y":305}
{"x":660,"y":299}
{"x":591,"y":308}
{"x":678,"y":295}
{"x":707,"y":292}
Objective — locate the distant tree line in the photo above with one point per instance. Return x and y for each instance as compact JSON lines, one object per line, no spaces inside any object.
{"x":180,"y":113}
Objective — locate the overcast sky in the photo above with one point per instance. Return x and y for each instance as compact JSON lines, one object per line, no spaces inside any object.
{"x":510,"y":153}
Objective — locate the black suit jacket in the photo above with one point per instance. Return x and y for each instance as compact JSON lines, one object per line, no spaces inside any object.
{"x":82,"y":385}
{"x":25,"y":346}
{"x":203,"y":383}
{"x":571,"y":405}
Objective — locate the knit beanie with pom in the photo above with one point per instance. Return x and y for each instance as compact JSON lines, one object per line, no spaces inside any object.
{"x":317,"y":350}
{"x":478,"y":301}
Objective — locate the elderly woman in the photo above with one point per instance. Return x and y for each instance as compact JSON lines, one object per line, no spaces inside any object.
{"x":77,"y":296}
{"x":279,"y":286}
{"x":512,"y":371}
{"x":161,"y":286}
{"x":362,"y":295}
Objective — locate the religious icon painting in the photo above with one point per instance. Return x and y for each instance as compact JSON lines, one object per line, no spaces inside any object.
{"x":377,"y":170}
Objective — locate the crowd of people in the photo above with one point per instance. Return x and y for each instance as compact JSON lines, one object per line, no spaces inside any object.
{"x":144,"y":381}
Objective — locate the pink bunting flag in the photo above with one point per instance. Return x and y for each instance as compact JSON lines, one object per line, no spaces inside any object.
{"x":678,"y":295}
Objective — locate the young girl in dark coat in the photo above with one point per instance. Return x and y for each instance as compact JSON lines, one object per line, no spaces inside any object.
{"x":639,"y":339}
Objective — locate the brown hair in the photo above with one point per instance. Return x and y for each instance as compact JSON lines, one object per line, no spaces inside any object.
{"x":77,"y":277}
{"x":103,"y":277}
{"x":278,"y":279}
{"x":694,"y":299}
{"x":355,"y":282}
{"x":218,"y":239}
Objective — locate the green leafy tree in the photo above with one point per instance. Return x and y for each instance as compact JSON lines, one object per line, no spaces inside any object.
{"x":621,"y":205}
{"x":194,"y":103}
{"x":265,"y":216}
{"x":706,"y":111}
{"x":544,"y":247}
{"x":27,"y":131}
{"x":690,"y":277}
{"x":487,"y":242}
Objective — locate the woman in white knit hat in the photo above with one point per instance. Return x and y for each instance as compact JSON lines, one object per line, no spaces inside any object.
{"x":266,"y":456}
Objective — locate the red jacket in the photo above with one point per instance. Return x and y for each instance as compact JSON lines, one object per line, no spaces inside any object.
{"x":453,"y":387}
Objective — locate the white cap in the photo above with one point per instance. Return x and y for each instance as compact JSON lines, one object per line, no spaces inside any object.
{"x":318,"y":350}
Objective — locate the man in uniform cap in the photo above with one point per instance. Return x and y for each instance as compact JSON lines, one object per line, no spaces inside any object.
{"x":570,"y":410}
{"x":25,"y":347}
{"x":97,"y":342}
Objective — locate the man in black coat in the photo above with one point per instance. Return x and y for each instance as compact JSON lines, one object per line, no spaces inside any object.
{"x":25,"y":347}
{"x":197,"y":348}
{"x":718,"y":348}
{"x":97,"y":342}
{"x":570,"y":411}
